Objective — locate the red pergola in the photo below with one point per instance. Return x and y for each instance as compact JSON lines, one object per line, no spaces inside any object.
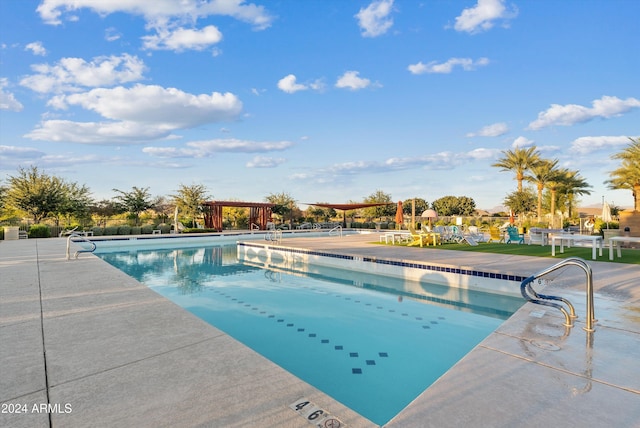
{"x":259,"y":213}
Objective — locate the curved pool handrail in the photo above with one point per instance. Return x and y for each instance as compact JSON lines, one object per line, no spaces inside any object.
{"x":82,"y":250}
{"x":530,"y":294}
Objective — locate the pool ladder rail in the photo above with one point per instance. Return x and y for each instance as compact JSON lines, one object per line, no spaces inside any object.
{"x":82,"y":250}
{"x":527,"y":291}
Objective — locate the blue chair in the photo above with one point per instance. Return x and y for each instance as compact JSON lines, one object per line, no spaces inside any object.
{"x":514,"y":235}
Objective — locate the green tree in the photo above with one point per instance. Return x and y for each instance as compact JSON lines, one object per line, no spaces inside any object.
{"x":321,"y":213}
{"x":540,"y":174}
{"x":421,"y":206}
{"x":134,"y":202}
{"x":77,"y":202}
{"x":454,"y":205}
{"x":189,"y":200}
{"x":521,"y":202}
{"x":627,"y":175}
{"x":35,"y":193}
{"x":519,"y":161}
{"x":104,"y":210}
{"x":284,"y":205}
{"x":379,"y":197}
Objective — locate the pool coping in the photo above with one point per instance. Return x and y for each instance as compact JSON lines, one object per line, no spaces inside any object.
{"x":39,"y":294}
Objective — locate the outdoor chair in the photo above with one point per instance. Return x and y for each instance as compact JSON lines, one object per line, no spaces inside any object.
{"x":495,"y":234}
{"x":514,"y":235}
{"x":417,"y":238}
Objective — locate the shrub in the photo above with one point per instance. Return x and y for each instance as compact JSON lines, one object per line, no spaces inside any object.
{"x":124,"y":230}
{"x":97,"y":231}
{"x":111,"y":230}
{"x":39,"y":231}
{"x":135,"y":230}
{"x":147,"y":229}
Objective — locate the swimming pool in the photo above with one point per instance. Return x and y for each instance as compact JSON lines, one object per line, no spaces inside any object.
{"x":373,"y":343}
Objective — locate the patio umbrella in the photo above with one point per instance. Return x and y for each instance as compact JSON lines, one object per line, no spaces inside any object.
{"x":399,"y":214}
{"x":512,"y":218}
{"x":606,"y":213}
{"x":429,"y":214}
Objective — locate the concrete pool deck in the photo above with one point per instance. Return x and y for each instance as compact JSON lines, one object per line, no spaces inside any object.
{"x":82,"y":344}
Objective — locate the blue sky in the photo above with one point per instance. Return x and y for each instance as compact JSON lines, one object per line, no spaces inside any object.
{"x":327,"y":100}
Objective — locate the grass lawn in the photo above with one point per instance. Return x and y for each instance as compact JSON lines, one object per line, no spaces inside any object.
{"x":630,"y":256}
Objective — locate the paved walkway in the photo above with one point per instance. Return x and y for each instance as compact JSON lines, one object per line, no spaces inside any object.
{"x":82,"y":344}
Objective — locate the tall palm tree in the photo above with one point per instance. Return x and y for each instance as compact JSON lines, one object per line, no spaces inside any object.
{"x":572,"y":186}
{"x":554,"y":184}
{"x":540,"y":173}
{"x":519,"y":161}
{"x":627,"y":176}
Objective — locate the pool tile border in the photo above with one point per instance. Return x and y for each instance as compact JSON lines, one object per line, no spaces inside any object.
{"x":397,"y":263}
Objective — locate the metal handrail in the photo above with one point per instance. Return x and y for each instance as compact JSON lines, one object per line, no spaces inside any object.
{"x":274,"y":235}
{"x":254,"y":227}
{"x":542,"y":299}
{"x":84,"y":250}
{"x":337,"y":231}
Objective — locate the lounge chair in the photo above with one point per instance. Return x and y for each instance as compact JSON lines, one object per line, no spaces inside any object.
{"x":495,"y":235}
{"x":417,"y":238}
{"x":474,"y":233}
{"x":514,"y":235}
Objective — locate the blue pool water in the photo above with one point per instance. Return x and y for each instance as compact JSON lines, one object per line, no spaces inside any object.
{"x":373,"y":343}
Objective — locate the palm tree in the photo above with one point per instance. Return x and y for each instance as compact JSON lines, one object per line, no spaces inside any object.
{"x":542,"y":172}
{"x":554,"y":184}
{"x":574,"y":185}
{"x":518,"y":160}
{"x":627,"y":176}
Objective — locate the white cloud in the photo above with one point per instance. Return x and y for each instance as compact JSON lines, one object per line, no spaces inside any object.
{"x":570,"y":114}
{"x":136,"y":115}
{"x":374,"y":19}
{"x":494,"y":130}
{"x":180,"y":39}
{"x":201,"y":149}
{"x":436,"y":161}
{"x":73,"y":74}
{"x":14,"y":152}
{"x":7,"y":100}
{"x":586,"y":145}
{"x":111,"y":34}
{"x":98,"y":133}
{"x":522,"y":142}
{"x":159,"y":12}
{"x":36,"y":48}
{"x":168,"y":108}
{"x":289,"y":85}
{"x":467,"y":64}
{"x":482,"y":16}
{"x":351,"y":80}
{"x":265,"y":162}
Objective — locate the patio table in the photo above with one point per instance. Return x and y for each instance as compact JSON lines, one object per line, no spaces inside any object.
{"x":617,"y":241}
{"x":596,"y":242}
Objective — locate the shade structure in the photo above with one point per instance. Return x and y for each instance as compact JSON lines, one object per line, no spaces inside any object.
{"x":606,"y":213}
{"x":259,"y":213}
{"x":399,"y":214}
{"x":429,"y":214}
{"x":346,"y":207}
